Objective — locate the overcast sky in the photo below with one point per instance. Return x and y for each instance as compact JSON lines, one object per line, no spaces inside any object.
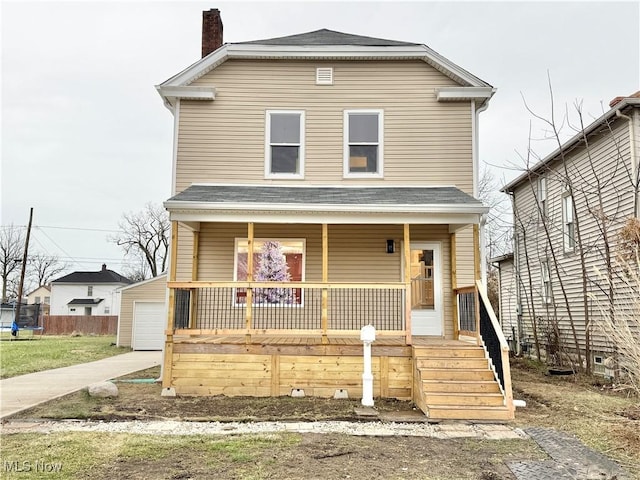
{"x":85,"y":136}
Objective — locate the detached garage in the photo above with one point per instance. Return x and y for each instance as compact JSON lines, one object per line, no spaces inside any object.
{"x":143,"y":314}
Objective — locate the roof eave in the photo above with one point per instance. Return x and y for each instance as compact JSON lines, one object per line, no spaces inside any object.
{"x":173,"y":205}
{"x":627,"y":102}
{"x":323,"y":52}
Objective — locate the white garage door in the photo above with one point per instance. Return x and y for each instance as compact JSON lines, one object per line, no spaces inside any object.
{"x":149,"y":320}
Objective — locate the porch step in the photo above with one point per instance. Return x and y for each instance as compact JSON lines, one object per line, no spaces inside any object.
{"x":472,"y":351}
{"x":456,"y":412}
{"x":471,"y":374}
{"x":464,"y":399}
{"x":456,"y":382}
{"x":453,"y":363}
{"x":461,"y":386}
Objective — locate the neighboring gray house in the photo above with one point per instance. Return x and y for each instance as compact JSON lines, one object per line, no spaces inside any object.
{"x":564,"y":208}
{"x":87,"y":293}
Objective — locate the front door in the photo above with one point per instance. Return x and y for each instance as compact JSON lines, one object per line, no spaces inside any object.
{"x":426,"y":289}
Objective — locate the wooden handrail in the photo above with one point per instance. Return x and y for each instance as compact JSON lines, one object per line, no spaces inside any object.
{"x":492,"y":316}
{"x":245,"y":284}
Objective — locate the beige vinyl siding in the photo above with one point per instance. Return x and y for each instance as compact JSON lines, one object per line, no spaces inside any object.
{"x":151,"y":291}
{"x":611,"y":165}
{"x":507,"y":283}
{"x":425,"y":142}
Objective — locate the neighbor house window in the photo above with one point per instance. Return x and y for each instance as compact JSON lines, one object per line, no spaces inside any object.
{"x":106,"y":310}
{"x":542,"y":197}
{"x":545,"y":277}
{"x":568,"y":223}
{"x":274,"y":260}
{"x":47,"y":300}
{"x":363,"y":143}
{"x":37,"y":300}
{"x":89,"y":291}
{"x":284,"y":144}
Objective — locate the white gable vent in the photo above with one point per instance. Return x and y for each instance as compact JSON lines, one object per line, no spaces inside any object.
{"x":324,"y":76}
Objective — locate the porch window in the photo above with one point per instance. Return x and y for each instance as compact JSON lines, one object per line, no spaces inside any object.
{"x":363,"y":143}
{"x":568,"y":223}
{"x":284,"y":144}
{"x":545,"y":277}
{"x":274,"y":260}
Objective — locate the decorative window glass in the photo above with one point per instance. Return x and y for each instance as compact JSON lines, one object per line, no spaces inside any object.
{"x":284,"y":144}
{"x":274,"y":260}
{"x":545,"y":276}
{"x":363,"y":143}
{"x":568,"y":223}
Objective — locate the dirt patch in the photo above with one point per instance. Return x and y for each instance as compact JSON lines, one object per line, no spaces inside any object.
{"x":313,"y":456}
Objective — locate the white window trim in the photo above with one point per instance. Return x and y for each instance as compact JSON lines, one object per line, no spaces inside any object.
{"x":265,"y":239}
{"x":345,"y":129}
{"x":267,"y":147}
{"x":566,"y":238}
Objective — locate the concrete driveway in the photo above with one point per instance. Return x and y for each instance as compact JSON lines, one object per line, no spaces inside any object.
{"x":25,"y":391}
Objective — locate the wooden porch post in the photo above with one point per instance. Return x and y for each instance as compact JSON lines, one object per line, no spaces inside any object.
{"x":477,"y":261}
{"x":193,"y":313}
{"x":407,"y":281}
{"x":454,"y":285}
{"x":249,"y":297}
{"x":325,"y":279}
{"x":168,"y":346}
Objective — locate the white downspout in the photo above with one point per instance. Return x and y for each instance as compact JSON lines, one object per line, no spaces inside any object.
{"x":475,"y":112}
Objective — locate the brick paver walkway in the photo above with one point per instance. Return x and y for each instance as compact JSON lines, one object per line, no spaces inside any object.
{"x":570,"y":459}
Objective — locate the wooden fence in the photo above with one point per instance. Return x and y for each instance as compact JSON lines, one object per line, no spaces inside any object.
{"x":85,"y":324}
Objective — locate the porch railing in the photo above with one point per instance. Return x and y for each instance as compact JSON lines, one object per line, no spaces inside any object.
{"x":477,"y":318}
{"x":466,"y":299}
{"x":312,"y":308}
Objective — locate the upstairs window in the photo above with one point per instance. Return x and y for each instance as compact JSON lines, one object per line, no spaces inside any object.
{"x":542,"y":196}
{"x":284,"y":144}
{"x":568,"y":223}
{"x":89,"y":291}
{"x":363,"y":143}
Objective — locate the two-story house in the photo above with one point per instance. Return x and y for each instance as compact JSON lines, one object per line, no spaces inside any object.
{"x":323,"y":182}
{"x":87,"y":293}
{"x":568,"y":212}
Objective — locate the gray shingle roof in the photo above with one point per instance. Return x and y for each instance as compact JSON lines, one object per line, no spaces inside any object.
{"x":102,"y":276}
{"x":328,"y":37}
{"x":246,"y":194}
{"x":85,"y":301}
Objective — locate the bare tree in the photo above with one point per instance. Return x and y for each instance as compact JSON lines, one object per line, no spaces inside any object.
{"x":11,"y":247}
{"x":42,"y":268}
{"x":146,"y":233}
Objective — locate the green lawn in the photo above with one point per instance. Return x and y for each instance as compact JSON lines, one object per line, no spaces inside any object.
{"x":46,"y":352}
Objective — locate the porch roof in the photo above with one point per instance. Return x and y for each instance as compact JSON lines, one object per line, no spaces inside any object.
{"x":326,"y":204}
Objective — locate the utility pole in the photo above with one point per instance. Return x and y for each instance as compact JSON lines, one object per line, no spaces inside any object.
{"x":24,"y":266}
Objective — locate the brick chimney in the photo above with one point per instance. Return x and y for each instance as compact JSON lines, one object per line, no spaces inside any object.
{"x":211,"y":31}
{"x":617,"y":100}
